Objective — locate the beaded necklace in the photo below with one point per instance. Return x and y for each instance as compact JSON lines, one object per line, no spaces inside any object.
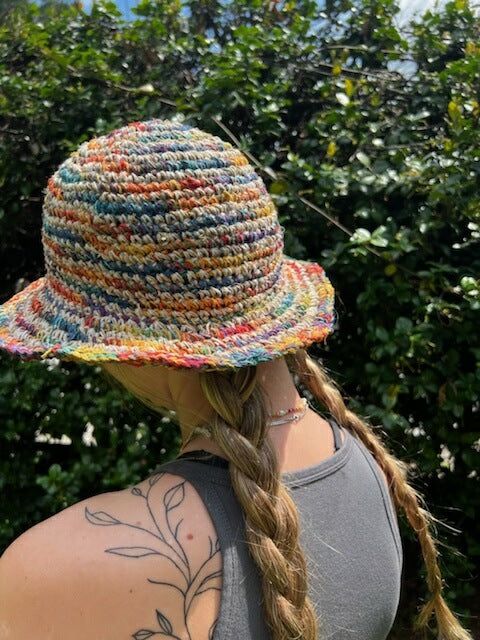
{"x":281,"y":417}
{"x":289,"y":415}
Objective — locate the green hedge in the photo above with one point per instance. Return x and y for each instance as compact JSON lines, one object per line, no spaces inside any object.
{"x":375,"y":174}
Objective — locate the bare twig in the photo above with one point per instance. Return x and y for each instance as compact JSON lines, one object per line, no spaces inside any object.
{"x":237,"y":142}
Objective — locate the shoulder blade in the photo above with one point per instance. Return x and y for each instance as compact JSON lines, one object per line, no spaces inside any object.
{"x":132,"y":563}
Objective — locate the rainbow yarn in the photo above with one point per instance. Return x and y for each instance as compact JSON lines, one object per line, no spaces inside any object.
{"x":162,"y":245}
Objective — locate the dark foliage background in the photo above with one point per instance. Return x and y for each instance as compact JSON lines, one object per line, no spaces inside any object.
{"x":375,"y":174}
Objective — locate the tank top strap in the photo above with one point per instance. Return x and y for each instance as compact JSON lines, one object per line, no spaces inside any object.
{"x":336,"y":432}
{"x":240,"y":614}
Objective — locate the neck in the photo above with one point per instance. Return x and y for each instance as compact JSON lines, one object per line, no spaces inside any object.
{"x":280,"y":394}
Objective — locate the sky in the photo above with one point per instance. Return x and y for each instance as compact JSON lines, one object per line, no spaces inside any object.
{"x":408,"y":8}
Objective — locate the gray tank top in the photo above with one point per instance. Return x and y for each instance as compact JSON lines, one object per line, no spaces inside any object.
{"x":348,"y":531}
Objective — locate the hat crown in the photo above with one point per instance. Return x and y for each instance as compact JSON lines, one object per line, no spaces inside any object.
{"x":162,"y":245}
{"x":163,"y":217}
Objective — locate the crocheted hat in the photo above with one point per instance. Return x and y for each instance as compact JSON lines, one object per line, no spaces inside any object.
{"x":162,"y":245}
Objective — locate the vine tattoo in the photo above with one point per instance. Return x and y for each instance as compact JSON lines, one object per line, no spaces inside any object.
{"x":164,"y":542}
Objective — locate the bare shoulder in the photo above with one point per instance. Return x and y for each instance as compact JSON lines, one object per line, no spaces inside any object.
{"x":136,"y":563}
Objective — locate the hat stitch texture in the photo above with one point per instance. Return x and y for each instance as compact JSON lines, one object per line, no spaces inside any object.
{"x":162,"y":245}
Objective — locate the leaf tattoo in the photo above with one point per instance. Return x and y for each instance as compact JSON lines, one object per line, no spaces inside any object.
{"x":143,"y":634}
{"x":100,"y":517}
{"x":164,"y":623}
{"x":174,"y":496}
{"x":212,"y":630}
{"x":133,"y":552}
{"x":163,"y":542}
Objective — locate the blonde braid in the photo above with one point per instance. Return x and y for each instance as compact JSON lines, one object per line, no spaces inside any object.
{"x":405,"y":496}
{"x":271,"y":517}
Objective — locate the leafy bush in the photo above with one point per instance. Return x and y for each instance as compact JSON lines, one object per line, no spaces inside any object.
{"x":375,"y":174}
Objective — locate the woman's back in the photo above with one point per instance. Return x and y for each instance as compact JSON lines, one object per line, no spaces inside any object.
{"x":167,"y":557}
{"x":348,"y":531}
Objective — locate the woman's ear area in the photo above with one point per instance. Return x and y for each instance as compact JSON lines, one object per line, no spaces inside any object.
{"x":178,"y":390}
{"x":187,"y":396}
{"x":150,"y":380}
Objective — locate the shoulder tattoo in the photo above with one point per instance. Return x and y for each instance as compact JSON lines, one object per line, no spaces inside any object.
{"x":163,"y":540}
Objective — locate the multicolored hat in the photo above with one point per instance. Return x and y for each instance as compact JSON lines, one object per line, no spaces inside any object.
{"x":162,"y":245}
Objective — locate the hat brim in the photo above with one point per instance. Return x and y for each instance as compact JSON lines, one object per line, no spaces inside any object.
{"x":299,"y":314}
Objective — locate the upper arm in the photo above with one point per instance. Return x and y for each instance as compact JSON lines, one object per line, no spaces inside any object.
{"x":142,"y":560}
{"x":24,"y":584}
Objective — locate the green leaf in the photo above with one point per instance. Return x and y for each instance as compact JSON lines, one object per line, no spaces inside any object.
{"x":360,"y":236}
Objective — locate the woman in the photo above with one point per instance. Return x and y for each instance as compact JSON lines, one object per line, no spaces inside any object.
{"x":165,"y":264}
